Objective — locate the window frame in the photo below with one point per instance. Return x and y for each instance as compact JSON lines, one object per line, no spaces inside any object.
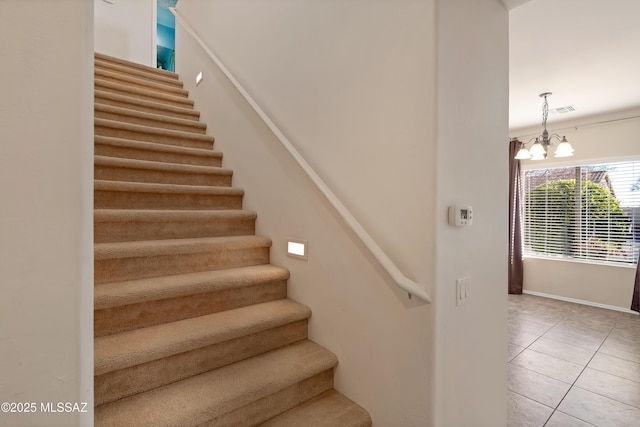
{"x":529,"y":166}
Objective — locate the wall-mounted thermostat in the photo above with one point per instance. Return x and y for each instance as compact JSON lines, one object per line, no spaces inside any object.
{"x":460,"y":215}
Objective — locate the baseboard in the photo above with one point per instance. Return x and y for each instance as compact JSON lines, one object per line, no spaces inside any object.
{"x":579,"y":301}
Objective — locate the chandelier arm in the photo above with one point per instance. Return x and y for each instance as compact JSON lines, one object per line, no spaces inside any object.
{"x":555,"y":135}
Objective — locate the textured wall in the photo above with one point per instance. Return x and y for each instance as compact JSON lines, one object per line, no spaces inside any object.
{"x":46,"y":218}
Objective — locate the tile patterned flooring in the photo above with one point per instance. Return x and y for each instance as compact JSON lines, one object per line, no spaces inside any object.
{"x":572,"y":365}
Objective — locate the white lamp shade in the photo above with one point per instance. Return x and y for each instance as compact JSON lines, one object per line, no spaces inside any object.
{"x":539,"y":156}
{"x":523,"y":154}
{"x":537,"y":150}
{"x":564,"y":150}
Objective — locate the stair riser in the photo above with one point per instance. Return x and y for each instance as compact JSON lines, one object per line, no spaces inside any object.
{"x":156,"y":156}
{"x":126,"y":382}
{"x":151,"y":72}
{"x":268,"y":407}
{"x":134,"y":316}
{"x":105,"y":199}
{"x":120,"y":269}
{"x":157,"y":138}
{"x":113,"y":173}
{"x":138,"y":83}
{"x":193,"y":128}
{"x":143,"y":94}
{"x":108,"y":232}
{"x":147,"y":108}
{"x":138,"y":74}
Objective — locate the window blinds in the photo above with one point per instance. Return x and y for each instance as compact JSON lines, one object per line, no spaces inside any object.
{"x":585,"y":212}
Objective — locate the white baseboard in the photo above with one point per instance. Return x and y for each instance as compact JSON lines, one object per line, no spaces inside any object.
{"x":579,"y":301}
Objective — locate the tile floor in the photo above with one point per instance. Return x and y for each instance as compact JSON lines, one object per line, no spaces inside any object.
{"x":572,"y":365}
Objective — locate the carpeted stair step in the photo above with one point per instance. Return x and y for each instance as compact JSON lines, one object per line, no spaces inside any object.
{"x":182,"y":349}
{"x":263,"y":385}
{"x":138,"y":195}
{"x":123,"y":130}
{"x":192,"y":324}
{"x":141,"y":150}
{"x":140,"y":83}
{"x":130,"y":102}
{"x":149,"y":72}
{"x":144,"y":94}
{"x":113,"y":67}
{"x":121,"y":225}
{"x":131,"y":170}
{"x":111,"y":112}
{"x":330,"y":409}
{"x":132,"y":304}
{"x":115,"y":262}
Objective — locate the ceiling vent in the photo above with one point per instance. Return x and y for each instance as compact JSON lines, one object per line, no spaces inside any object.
{"x":563,"y":110}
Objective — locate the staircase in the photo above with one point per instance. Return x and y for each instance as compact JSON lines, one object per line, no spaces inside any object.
{"x":192,"y":323}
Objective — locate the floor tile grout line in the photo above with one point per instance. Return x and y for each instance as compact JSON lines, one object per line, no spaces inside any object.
{"x":578,"y":377}
{"x":531,"y":399}
{"x":616,"y":375}
{"x":572,"y":384}
{"x":574,"y":319}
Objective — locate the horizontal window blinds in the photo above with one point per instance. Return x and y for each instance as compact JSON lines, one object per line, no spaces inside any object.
{"x":584,"y":212}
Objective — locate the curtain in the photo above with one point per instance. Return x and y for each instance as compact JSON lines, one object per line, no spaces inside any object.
{"x":515,"y":233}
{"x":635,"y":303}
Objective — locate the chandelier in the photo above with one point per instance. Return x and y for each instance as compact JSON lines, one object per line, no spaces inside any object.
{"x":542,"y":143}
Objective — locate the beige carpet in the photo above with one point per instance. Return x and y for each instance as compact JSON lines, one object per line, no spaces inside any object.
{"x":192,"y":322}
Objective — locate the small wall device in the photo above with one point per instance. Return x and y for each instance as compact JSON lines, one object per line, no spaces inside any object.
{"x":460,"y":215}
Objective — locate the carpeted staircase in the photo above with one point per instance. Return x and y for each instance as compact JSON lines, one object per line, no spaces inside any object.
{"x":192,"y":323}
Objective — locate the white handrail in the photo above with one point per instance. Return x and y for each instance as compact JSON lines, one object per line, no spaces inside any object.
{"x":411,"y":287}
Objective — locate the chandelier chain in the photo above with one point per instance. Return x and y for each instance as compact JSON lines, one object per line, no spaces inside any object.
{"x":545,"y":113}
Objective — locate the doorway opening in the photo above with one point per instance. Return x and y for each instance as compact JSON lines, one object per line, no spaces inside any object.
{"x":166,"y":35}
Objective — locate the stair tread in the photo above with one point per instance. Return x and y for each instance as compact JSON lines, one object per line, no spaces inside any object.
{"x":154,"y":146}
{"x":161,"y":166}
{"x":148,"y":215}
{"x":328,"y":409}
{"x":126,"y":349}
{"x":149,"y":116}
{"x":143,"y":290}
{"x":144,"y":248}
{"x":146,"y":74}
{"x":135,"y":65}
{"x":115,"y":124}
{"x":104,"y":84}
{"x":145,"y":82}
{"x":203,"y":397}
{"x":187,"y":111}
{"x":144,"y":187}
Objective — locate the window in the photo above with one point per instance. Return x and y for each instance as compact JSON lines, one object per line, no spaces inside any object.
{"x":585,"y":212}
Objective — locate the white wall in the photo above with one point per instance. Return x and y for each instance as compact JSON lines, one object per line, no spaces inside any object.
{"x":46,"y":218}
{"x":600,"y":284}
{"x":472,"y":169}
{"x":353,"y":85}
{"x":126,"y":29}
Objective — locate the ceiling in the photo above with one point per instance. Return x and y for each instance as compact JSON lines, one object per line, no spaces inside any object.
{"x":587,"y":52}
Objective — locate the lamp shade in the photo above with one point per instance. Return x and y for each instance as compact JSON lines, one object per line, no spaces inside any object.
{"x":523,"y":154}
{"x":537,"y":150}
{"x":564,"y":149}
